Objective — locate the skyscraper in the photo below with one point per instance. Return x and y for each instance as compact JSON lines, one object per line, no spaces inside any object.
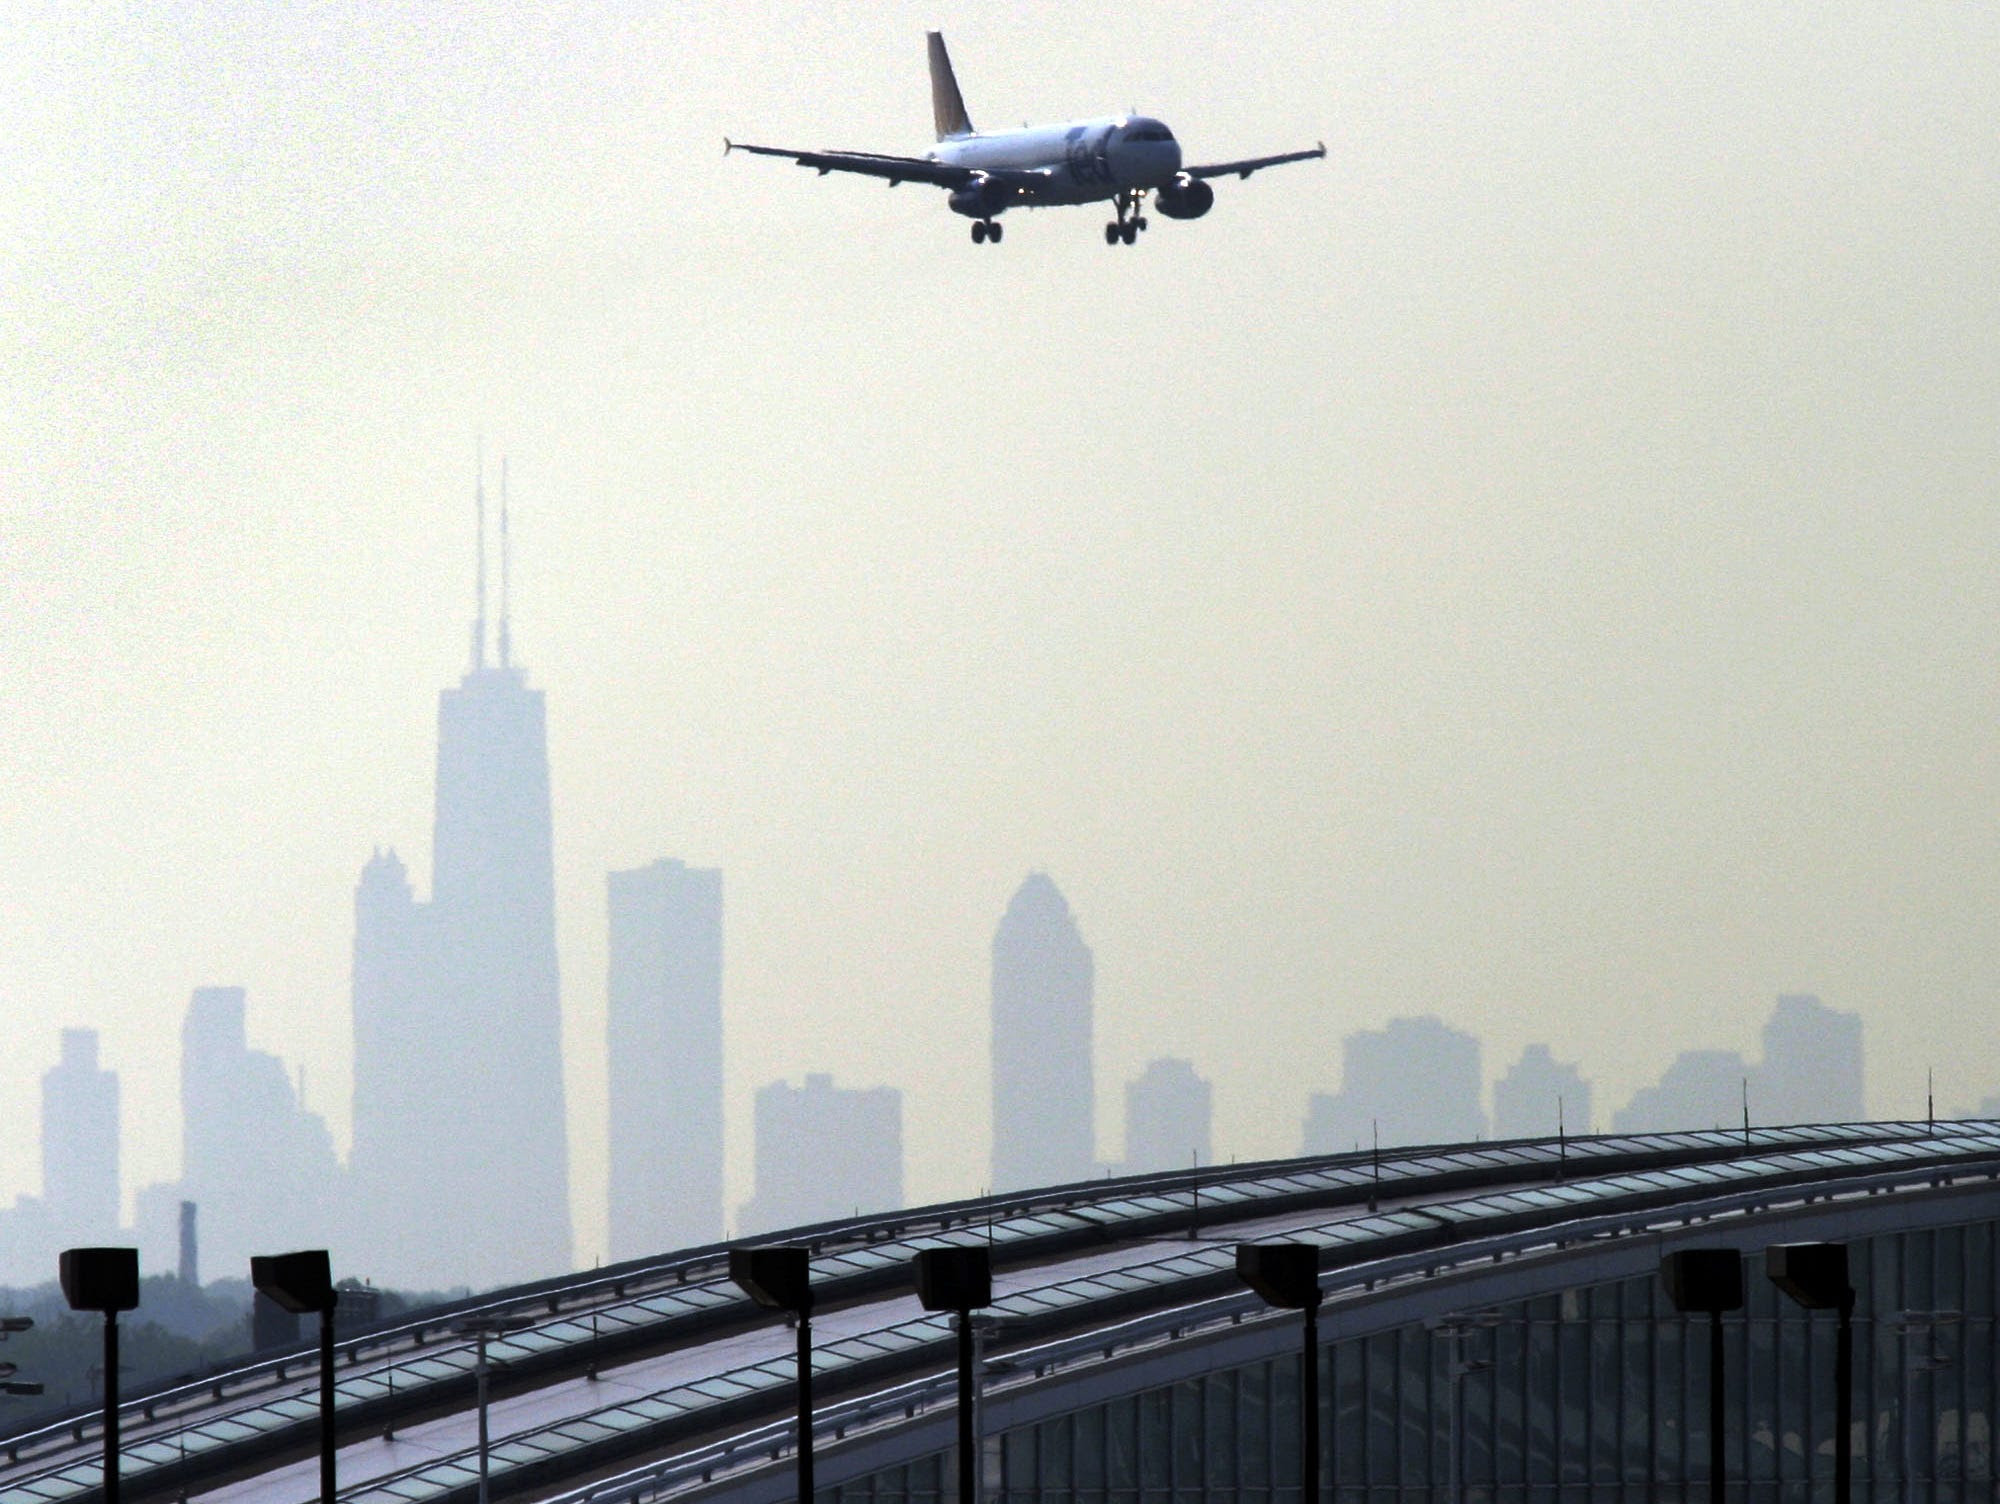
{"x":260,"y":1166}
{"x":1699,"y":1089}
{"x":1417,"y":1081}
{"x":1044,"y":1105}
{"x":1168,"y":1112}
{"x":460,"y":1135}
{"x":399,"y":1022}
{"x":664,"y":1033}
{"x":824,"y":1152}
{"x":1811,"y":1071}
{"x":80,"y":1143}
{"x":1538,"y":1096}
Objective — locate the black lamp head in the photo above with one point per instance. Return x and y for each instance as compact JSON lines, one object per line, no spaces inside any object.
{"x":954,"y":1279}
{"x":1813,"y":1274}
{"x":1285,"y":1274}
{"x":777,"y":1276}
{"x":100,"y":1279}
{"x":1703,"y":1279}
{"x":299,"y":1282}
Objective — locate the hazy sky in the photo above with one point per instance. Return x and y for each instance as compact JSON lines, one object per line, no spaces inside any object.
{"x":1536,"y":566}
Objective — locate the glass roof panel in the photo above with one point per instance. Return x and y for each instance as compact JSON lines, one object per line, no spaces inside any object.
{"x":643,"y":1411}
{"x":530,"y":1446}
{"x":1027,"y":1302}
{"x":523,"y":1344}
{"x":584,"y":1429}
{"x":227,"y":1428}
{"x":620,"y":1418}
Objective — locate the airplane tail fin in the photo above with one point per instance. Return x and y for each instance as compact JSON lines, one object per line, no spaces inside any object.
{"x":947,"y":104}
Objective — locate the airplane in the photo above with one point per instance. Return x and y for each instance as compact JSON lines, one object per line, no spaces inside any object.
{"x":1121,"y":158}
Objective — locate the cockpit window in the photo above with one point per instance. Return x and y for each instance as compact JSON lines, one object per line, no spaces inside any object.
{"x":1148,"y":130}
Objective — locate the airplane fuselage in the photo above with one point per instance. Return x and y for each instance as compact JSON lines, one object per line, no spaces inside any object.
{"x":1078,"y":162}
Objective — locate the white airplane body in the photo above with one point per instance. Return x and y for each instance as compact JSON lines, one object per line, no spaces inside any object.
{"x":1119,"y":158}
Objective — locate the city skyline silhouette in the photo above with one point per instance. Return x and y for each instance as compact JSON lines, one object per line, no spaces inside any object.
{"x":457,"y":1020}
{"x":259,"y":1161}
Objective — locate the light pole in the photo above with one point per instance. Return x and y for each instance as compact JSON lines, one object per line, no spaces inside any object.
{"x":1287,"y":1276}
{"x":302,"y":1283}
{"x":779,"y":1278}
{"x":959,"y":1280}
{"x":480,"y":1328}
{"x":1708,"y":1280}
{"x":1815,"y":1275}
{"x":105,"y":1280}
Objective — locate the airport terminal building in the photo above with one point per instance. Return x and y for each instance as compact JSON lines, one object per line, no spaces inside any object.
{"x":1493,"y":1326}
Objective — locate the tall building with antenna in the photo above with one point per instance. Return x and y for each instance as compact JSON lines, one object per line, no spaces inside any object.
{"x":461,"y":1163}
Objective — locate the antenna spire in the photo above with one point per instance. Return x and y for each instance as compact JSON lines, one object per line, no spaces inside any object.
{"x":479,"y":510}
{"x":506,"y":654}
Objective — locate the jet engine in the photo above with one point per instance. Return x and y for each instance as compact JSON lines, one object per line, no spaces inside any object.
{"x":979,"y":199}
{"x":1184,"y":198}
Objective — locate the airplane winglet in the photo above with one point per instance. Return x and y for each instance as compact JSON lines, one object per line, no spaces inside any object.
{"x":727,"y":146}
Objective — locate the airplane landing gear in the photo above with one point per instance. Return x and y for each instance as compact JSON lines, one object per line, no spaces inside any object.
{"x":984,"y":230}
{"x":1130,"y":220}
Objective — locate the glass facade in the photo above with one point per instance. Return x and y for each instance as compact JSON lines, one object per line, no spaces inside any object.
{"x":1593,"y":1394}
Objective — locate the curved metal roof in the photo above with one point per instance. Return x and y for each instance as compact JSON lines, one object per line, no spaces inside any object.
{"x":665,"y":1364}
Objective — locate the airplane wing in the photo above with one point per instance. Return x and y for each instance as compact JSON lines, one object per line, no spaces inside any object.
{"x":1244,"y":168}
{"x":872,"y":164}
{"x":900,"y":169}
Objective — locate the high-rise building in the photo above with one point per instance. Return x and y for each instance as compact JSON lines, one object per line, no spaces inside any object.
{"x":1540,"y":1095}
{"x":1700,"y":1089}
{"x":260,"y":1166}
{"x":1811,"y":1071}
{"x":1044,"y":1103}
{"x":80,"y":1144}
{"x":1416,"y":1081}
{"x":823,"y":1153}
{"x":664,"y":1034}
{"x":461,"y":1161}
{"x":1169,"y":1111}
{"x":400,"y":1024}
